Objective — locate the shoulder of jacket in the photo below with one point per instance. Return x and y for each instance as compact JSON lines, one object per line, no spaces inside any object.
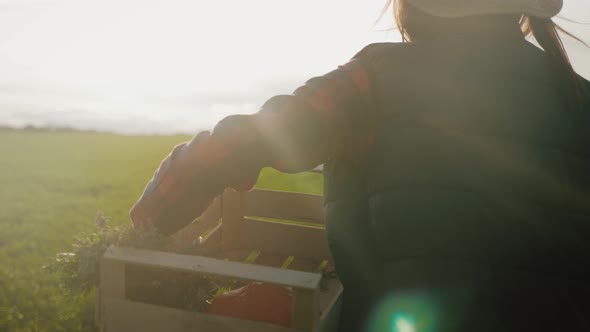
{"x":375,"y":49}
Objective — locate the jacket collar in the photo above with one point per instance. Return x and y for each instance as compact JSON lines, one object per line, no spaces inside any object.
{"x":482,"y":28}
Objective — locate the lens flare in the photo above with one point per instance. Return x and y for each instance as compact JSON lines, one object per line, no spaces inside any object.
{"x":407,"y":312}
{"x":402,"y":323}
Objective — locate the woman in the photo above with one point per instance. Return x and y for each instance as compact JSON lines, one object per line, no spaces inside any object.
{"x":457,"y":161}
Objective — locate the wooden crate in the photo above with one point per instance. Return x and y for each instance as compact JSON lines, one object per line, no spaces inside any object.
{"x":266,"y":236}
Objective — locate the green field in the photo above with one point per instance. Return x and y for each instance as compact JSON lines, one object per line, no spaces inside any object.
{"x":51,"y":187}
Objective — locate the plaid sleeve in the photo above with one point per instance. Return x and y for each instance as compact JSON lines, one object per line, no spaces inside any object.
{"x":327,"y":116}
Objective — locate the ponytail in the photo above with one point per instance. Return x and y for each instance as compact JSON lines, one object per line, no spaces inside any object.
{"x":545,"y":32}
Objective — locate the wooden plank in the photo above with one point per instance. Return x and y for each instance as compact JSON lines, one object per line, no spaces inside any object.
{"x":285,"y":239}
{"x":306,"y":310}
{"x":232,"y":225}
{"x":214,"y":267}
{"x":285,"y":205}
{"x":111,"y":284}
{"x":112,"y":278}
{"x":330,"y":306}
{"x":123,"y":315}
{"x":330,"y":296}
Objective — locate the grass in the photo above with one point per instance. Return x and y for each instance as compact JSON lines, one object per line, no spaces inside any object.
{"x":51,"y":187}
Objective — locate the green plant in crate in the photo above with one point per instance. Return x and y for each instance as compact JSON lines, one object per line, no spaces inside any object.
{"x":79,"y":268}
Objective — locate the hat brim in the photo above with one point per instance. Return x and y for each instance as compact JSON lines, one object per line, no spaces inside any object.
{"x":462,"y":8}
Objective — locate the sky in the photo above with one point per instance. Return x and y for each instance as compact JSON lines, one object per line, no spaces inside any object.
{"x":167,"y":66}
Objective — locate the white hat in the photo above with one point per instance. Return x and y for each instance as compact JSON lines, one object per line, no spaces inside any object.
{"x":461,"y":8}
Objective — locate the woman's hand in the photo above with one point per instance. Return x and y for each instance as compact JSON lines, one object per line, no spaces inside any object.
{"x":171,"y":199}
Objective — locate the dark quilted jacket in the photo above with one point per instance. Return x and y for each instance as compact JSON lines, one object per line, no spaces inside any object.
{"x":478,"y":171}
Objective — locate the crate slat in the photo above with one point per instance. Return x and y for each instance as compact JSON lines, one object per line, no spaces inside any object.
{"x":306,"y":310}
{"x":214,"y":267}
{"x":330,"y":304}
{"x":112,"y":277}
{"x":285,"y":205}
{"x":286,"y":239}
{"x":233,"y":207}
{"x":122,"y":315}
{"x":330,"y":296}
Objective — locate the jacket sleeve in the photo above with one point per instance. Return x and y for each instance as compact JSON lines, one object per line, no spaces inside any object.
{"x":328,"y":116}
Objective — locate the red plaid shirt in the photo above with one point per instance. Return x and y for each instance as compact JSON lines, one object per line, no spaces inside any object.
{"x":328,"y":116}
